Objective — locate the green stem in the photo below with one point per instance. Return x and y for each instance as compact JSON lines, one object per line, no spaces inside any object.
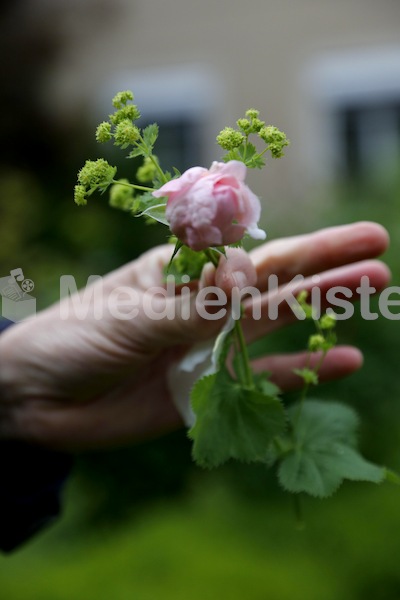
{"x":150,"y":155}
{"x":159,"y":169}
{"x":242,"y":346}
{"x":263,"y":152}
{"x":142,"y":188}
{"x":303,"y":396}
{"x":244,"y":355}
{"x":305,"y":389}
{"x":212,"y":257}
{"x":321,"y":360}
{"x":246,"y":143}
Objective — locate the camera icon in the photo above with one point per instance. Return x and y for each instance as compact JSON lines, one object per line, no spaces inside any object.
{"x":17,"y":303}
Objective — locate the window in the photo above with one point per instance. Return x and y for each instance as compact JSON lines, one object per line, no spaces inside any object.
{"x":356,"y":112}
{"x":369,"y":137}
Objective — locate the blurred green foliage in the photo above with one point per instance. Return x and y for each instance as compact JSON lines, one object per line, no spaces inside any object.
{"x":143,"y":522}
{"x":214,"y":544}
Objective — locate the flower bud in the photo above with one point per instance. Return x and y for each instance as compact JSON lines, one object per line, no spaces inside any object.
{"x":126,"y":134}
{"x":122,"y":98}
{"x":147,"y":171}
{"x":275,"y":139}
{"x":229,"y":138}
{"x":96,"y":173}
{"x":212,"y":207}
{"x":80,"y":195}
{"x":244,"y":125}
{"x":103,"y":132}
{"x":252,"y":113}
{"x":316,"y":342}
{"x":121,"y":196}
{"x":327,"y":322}
{"x":129,"y":112}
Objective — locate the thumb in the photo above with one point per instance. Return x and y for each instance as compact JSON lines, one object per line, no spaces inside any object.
{"x":198,"y":313}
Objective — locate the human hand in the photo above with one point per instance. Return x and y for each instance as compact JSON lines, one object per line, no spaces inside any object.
{"x":86,"y":383}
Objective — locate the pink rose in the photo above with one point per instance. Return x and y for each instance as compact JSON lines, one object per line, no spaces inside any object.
{"x":212,"y":207}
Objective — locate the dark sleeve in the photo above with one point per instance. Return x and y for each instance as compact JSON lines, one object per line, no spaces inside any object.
{"x":31,"y":482}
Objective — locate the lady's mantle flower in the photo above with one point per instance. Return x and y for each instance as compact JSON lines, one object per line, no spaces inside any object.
{"x":212,"y":207}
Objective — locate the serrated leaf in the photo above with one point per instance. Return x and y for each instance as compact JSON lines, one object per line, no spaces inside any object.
{"x":231,"y":421}
{"x":323,"y":450}
{"x":247,"y":152}
{"x":156,"y":212}
{"x":138,"y":151}
{"x":264,"y":385}
{"x":146,"y":201}
{"x":232,"y":155}
{"x":150,"y":135}
{"x":256,"y":162}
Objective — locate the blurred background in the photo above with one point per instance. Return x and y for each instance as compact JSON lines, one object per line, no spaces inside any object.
{"x":143,"y":522}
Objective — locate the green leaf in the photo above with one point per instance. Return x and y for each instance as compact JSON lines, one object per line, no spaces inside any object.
{"x":138,"y":151}
{"x":247,"y":152}
{"x":222,"y":345}
{"x":232,"y":155}
{"x":256,"y":162}
{"x":308,"y":375}
{"x":187,"y":262}
{"x":264,"y":385}
{"x":178,"y":246}
{"x":323,"y":450}
{"x":231,"y":421}
{"x":156,"y":212}
{"x":146,"y":201}
{"x":150,"y":135}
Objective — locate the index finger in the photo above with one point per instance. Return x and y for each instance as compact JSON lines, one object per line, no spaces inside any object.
{"x":315,"y":252}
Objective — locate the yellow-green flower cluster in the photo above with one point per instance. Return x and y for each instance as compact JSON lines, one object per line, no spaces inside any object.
{"x":80,"y":195}
{"x":316,"y":342}
{"x":121,"y":125}
{"x":103,"y":132}
{"x":325,"y":338}
{"x":130,"y":112}
{"x":229,"y":138}
{"x":251,"y":123}
{"x":147,"y":171}
{"x":307,"y":308}
{"x":94,"y":175}
{"x":122,"y":129}
{"x":122,"y":98}
{"x":327,"y":322}
{"x":236,"y":141}
{"x":126,"y":134}
{"x":275,"y":139}
{"x":121,"y":195}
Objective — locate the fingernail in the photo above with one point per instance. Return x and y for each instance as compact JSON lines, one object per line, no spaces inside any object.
{"x":240,"y":279}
